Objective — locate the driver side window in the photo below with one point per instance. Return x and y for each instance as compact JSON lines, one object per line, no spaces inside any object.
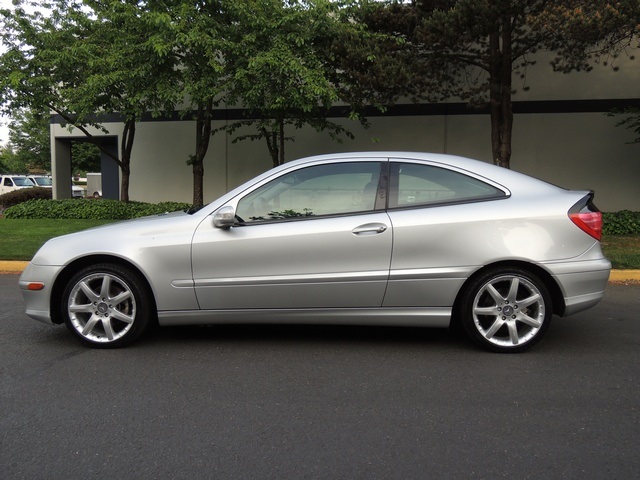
{"x":332,"y":189}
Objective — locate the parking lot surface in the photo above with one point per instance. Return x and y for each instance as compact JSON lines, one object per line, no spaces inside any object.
{"x":321,"y":402}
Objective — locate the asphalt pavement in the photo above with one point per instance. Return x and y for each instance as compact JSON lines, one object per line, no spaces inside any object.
{"x":294,"y":402}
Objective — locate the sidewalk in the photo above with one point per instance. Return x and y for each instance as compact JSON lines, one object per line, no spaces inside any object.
{"x":16,"y":267}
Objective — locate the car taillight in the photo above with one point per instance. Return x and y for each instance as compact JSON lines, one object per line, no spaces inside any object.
{"x":587,"y":217}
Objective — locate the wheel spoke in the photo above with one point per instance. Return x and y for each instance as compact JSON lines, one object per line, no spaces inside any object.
{"x":86,"y":308}
{"x":495,"y":294}
{"x":122,"y":317}
{"x":528,"y":301}
{"x":494,"y":328}
{"x":513,"y":290}
{"x":485,"y":311}
{"x":86,"y":289}
{"x":108,"y":328}
{"x":532,"y":322}
{"x":118,"y":299}
{"x":88,"y":328}
{"x":513,"y":333}
{"x":106,"y":286}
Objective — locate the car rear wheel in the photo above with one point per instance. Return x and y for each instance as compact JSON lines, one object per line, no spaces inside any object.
{"x":506,"y":310}
{"x":106,"y":305}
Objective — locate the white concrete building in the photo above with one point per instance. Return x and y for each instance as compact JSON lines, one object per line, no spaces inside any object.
{"x":561,"y":134}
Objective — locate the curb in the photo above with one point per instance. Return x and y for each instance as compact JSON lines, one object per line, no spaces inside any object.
{"x":15,"y":267}
{"x":12,"y":267}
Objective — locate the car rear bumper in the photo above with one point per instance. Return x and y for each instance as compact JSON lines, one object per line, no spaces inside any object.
{"x":582,"y":283}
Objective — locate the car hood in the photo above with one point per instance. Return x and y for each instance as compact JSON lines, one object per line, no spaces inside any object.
{"x":124,"y":239}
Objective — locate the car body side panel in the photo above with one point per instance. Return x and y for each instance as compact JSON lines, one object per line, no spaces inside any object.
{"x":160,"y":247}
{"x":436,"y":249}
{"x":418,"y":317}
{"x":311,"y":263}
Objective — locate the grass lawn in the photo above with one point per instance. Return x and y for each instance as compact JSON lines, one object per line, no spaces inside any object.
{"x":622,"y":250}
{"x":19,"y":240}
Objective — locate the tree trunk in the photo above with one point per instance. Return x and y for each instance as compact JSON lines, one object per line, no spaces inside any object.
{"x":128,"y":136}
{"x":272,"y":144}
{"x":281,"y":140}
{"x":500,"y":94}
{"x":203,"y":136}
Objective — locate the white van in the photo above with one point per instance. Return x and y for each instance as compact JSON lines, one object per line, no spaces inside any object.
{"x":10,"y":183}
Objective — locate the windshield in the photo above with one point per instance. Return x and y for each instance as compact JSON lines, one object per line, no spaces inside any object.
{"x":42,"y":181}
{"x":22,"y":182}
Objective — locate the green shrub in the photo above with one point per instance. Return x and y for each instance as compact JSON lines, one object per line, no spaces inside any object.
{"x":34,"y":203}
{"x":19,"y":196}
{"x":623,"y":222}
{"x":89,"y":209}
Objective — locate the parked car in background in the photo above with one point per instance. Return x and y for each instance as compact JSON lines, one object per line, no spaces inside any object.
{"x":46,"y":182}
{"x":10,"y":183}
{"x":77,"y":191}
{"x":377,"y":238}
{"x":43,"y":181}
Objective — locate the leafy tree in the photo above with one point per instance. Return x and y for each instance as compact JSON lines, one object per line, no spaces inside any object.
{"x":125,"y":72}
{"x":8,"y":163}
{"x":281,"y":70}
{"x":84,"y":58}
{"x":197,"y":32}
{"x":29,"y":139}
{"x":474,"y":49}
{"x":29,"y":151}
{"x":85,"y":157}
{"x":630,"y":120}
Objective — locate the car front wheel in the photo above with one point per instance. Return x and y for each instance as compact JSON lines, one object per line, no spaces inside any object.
{"x":106,"y":305}
{"x":506,"y":310}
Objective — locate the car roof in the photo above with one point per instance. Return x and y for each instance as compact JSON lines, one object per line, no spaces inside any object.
{"x":504,"y":176}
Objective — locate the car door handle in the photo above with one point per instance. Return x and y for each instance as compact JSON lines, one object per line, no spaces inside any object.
{"x":369,"y":229}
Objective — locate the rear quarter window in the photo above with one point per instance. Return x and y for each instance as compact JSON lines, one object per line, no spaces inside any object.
{"x":419,"y":185}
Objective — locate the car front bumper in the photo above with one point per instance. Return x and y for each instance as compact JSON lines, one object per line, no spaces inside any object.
{"x":38,"y":302}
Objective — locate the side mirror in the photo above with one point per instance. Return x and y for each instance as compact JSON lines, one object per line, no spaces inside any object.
{"x":225,"y":217}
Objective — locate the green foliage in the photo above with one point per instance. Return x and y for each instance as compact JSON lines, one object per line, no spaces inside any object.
{"x":9,"y":162}
{"x":29,"y":139}
{"x":89,"y":209}
{"x":281,"y":69}
{"x":630,"y":120}
{"x":81,"y":58}
{"x":479,"y":51}
{"x":24,"y":194}
{"x":85,"y":157}
{"x":623,"y":222}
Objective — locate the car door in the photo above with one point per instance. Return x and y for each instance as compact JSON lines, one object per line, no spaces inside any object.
{"x":442,"y":220}
{"x":7,"y":185}
{"x":315,"y":237}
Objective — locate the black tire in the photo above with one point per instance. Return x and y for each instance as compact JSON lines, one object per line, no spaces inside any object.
{"x":107,"y":305}
{"x":506,"y":309}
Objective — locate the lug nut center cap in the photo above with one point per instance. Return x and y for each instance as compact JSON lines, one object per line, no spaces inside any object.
{"x":103,"y":308}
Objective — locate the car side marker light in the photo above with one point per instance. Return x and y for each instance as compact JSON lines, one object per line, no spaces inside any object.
{"x":35,"y":286}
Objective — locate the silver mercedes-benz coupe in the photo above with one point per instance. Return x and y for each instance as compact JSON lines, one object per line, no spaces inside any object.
{"x":376,"y":238}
